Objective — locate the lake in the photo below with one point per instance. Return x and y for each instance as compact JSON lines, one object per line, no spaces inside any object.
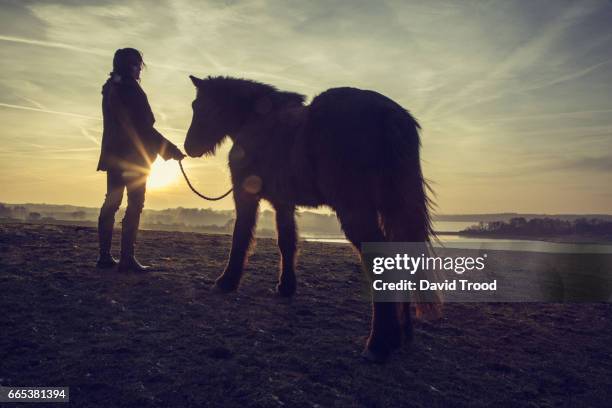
{"x":462,"y":242}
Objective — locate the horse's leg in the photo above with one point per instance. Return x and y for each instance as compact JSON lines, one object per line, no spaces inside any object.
{"x":287,"y":240}
{"x":246,"y":217}
{"x":400,"y":225}
{"x":385,"y":332}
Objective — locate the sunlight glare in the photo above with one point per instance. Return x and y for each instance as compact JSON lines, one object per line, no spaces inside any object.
{"x":163,"y":174}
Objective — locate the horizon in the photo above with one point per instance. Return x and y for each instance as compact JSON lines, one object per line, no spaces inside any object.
{"x":514,"y":99}
{"x":321,"y":211}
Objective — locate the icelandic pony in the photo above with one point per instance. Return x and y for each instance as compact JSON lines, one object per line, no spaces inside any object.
{"x":353,"y":150}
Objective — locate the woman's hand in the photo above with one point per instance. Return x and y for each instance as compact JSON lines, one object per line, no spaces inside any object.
{"x":177,"y":154}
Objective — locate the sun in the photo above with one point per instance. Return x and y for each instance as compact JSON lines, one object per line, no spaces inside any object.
{"x":163,"y":174}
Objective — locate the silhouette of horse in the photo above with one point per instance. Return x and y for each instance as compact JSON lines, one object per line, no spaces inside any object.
{"x":353,"y":150}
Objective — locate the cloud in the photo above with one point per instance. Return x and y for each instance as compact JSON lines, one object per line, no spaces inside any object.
{"x":75,"y":115}
{"x":52,"y":44}
{"x":53,"y":112}
{"x":498,"y":80}
{"x":593,"y":163}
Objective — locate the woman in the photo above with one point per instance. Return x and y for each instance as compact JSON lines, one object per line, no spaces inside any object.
{"x":130,"y":144}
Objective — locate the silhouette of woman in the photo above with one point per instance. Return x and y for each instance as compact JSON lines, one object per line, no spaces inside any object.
{"x":130,"y":144}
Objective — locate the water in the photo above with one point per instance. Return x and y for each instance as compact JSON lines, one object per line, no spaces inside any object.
{"x":462,"y":242}
{"x":443,"y":226}
{"x":452,"y":226}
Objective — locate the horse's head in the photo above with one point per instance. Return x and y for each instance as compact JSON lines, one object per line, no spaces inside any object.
{"x":215,"y":115}
{"x":223,"y":105}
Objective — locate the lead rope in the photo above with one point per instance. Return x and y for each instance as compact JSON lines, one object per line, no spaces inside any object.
{"x":196,"y":191}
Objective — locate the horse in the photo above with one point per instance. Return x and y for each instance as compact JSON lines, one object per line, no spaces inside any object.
{"x":355,"y":151}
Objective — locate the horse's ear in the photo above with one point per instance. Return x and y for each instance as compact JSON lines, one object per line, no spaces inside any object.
{"x":196,"y":81}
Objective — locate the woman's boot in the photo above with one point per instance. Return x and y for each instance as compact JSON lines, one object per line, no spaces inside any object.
{"x":129,"y":231}
{"x":105,"y":239}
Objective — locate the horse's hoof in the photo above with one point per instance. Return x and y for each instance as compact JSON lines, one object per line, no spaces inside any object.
{"x":374,"y":357}
{"x":280,"y":298}
{"x":285,"y":291}
{"x":408,"y":337}
{"x":220,"y":288}
{"x":216,"y":289}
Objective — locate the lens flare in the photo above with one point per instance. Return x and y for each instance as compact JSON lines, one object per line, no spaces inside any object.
{"x":163,"y":174}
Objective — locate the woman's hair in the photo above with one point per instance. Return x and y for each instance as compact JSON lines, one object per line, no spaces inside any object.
{"x":125,"y":59}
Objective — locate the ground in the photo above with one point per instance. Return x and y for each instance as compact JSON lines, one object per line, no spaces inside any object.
{"x":164,"y":339}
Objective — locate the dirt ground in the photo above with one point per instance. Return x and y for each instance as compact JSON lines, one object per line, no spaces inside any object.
{"x":164,"y":339}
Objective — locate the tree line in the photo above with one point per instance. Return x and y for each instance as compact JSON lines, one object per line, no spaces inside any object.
{"x":542,"y":227}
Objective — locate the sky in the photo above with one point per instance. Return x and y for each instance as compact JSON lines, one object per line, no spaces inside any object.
{"x":515,"y":98}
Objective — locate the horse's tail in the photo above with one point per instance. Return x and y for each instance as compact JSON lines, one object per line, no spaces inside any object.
{"x":404,"y":204}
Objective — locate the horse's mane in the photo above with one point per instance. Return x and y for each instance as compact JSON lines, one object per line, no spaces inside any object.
{"x":246,"y":91}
